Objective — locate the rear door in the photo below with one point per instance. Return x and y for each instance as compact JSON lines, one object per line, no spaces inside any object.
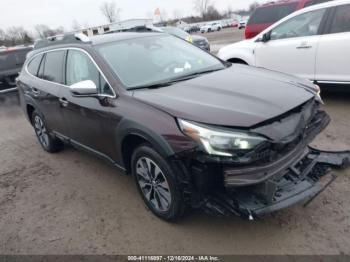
{"x":44,"y":87}
{"x":293,"y":45}
{"x":333,"y":56}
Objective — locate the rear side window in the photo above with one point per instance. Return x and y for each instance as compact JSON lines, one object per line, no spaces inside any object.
{"x":341,"y":21}
{"x":271,"y":14}
{"x":33,"y":66}
{"x":53,"y":69}
{"x":81,"y":68}
{"x":315,"y":2}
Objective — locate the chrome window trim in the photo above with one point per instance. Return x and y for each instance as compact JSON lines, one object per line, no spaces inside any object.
{"x":66,"y":49}
{"x":334,"y":82}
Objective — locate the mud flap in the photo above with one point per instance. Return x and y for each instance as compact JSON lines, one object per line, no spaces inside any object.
{"x":300,"y":182}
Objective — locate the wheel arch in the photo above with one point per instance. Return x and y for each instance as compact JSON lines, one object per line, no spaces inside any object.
{"x":237,"y":61}
{"x":131,"y":135}
{"x":30,"y":110}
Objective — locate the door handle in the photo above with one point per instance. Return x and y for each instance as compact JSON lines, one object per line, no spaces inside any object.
{"x":304,"y":46}
{"x":64,"y":102}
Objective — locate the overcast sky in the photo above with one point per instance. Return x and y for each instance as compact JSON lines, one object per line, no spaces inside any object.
{"x":54,"y":13}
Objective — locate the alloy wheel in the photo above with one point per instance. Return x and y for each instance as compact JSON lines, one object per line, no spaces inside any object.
{"x":153,"y":184}
{"x":41,"y":131}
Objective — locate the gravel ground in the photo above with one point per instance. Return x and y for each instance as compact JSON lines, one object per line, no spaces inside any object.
{"x":223,"y":37}
{"x":74,"y":203}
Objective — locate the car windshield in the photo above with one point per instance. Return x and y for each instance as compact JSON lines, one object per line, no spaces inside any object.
{"x":176,"y":32}
{"x":271,"y":14}
{"x":151,"y":60}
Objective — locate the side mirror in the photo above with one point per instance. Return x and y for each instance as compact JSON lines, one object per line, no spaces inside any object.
{"x":265,"y":38}
{"x":84,"y":88}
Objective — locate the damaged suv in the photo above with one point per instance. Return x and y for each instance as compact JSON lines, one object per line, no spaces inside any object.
{"x":191,"y":129}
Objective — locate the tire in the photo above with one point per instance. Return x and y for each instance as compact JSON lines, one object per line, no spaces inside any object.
{"x":47,"y":142}
{"x":160,"y":189}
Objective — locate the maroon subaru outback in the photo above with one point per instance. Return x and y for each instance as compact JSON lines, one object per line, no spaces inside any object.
{"x":192,"y":130}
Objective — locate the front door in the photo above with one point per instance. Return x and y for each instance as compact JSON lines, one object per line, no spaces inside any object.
{"x":89,"y":117}
{"x":292,"y":46}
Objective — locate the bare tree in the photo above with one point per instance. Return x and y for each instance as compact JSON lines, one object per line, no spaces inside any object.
{"x":2,"y":37}
{"x":44,"y":31}
{"x":177,"y":14}
{"x":16,"y":36}
{"x":75,"y":25}
{"x":212,"y":13}
{"x":201,"y":6}
{"x":110,"y":11}
{"x":2,"y":34}
{"x":164,"y":15}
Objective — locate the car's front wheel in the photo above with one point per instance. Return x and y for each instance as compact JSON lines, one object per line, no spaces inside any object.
{"x":48,"y":143}
{"x":157,"y":183}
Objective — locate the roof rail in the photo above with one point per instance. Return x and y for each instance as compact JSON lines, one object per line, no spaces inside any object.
{"x":77,"y":38}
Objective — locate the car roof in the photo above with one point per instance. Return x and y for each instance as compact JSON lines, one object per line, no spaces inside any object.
{"x":114,"y":37}
{"x":78,"y":39}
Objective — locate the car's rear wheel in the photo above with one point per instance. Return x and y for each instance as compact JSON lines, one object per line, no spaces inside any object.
{"x":48,"y":143}
{"x":157,"y":183}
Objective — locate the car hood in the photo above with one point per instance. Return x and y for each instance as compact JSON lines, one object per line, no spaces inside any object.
{"x":239,"y":96}
{"x":226,"y":51}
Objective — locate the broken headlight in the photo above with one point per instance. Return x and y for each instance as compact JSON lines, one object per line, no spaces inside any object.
{"x":220,"y":142}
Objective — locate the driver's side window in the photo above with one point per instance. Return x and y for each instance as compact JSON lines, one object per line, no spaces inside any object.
{"x":81,"y":68}
{"x":306,"y":24}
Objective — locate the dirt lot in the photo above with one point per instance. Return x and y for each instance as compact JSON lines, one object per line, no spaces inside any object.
{"x":74,"y":203}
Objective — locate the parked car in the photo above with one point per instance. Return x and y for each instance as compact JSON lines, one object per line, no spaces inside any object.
{"x":177,"y":32}
{"x":242,"y":24}
{"x":191,"y":129}
{"x":267,"y":14}
{"x":235,"y":24}
{"x":212,"y":27}
{"x":192,"y":29}
{"x":11,"y":62}
{"x":200,"y":41}
{"x":312,"y":43}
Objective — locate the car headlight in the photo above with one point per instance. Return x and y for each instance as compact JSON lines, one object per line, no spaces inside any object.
{"x":318,"y":93}
{"x":219,"y":142}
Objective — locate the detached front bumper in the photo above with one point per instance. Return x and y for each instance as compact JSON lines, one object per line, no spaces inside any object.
{"x":302,"y":181}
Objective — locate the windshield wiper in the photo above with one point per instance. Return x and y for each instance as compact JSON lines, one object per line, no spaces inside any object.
{"x":174,"y":80}
{"x":198,"y":74}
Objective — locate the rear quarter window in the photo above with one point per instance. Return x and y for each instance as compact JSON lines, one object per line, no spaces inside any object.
{"x":33,"y":66}
{"x":53,"y":69}
{"x":271,"y":14}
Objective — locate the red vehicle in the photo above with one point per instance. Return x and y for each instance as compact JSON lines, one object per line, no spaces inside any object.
{"x":267,"y":14}
{"x":235,"y":24}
